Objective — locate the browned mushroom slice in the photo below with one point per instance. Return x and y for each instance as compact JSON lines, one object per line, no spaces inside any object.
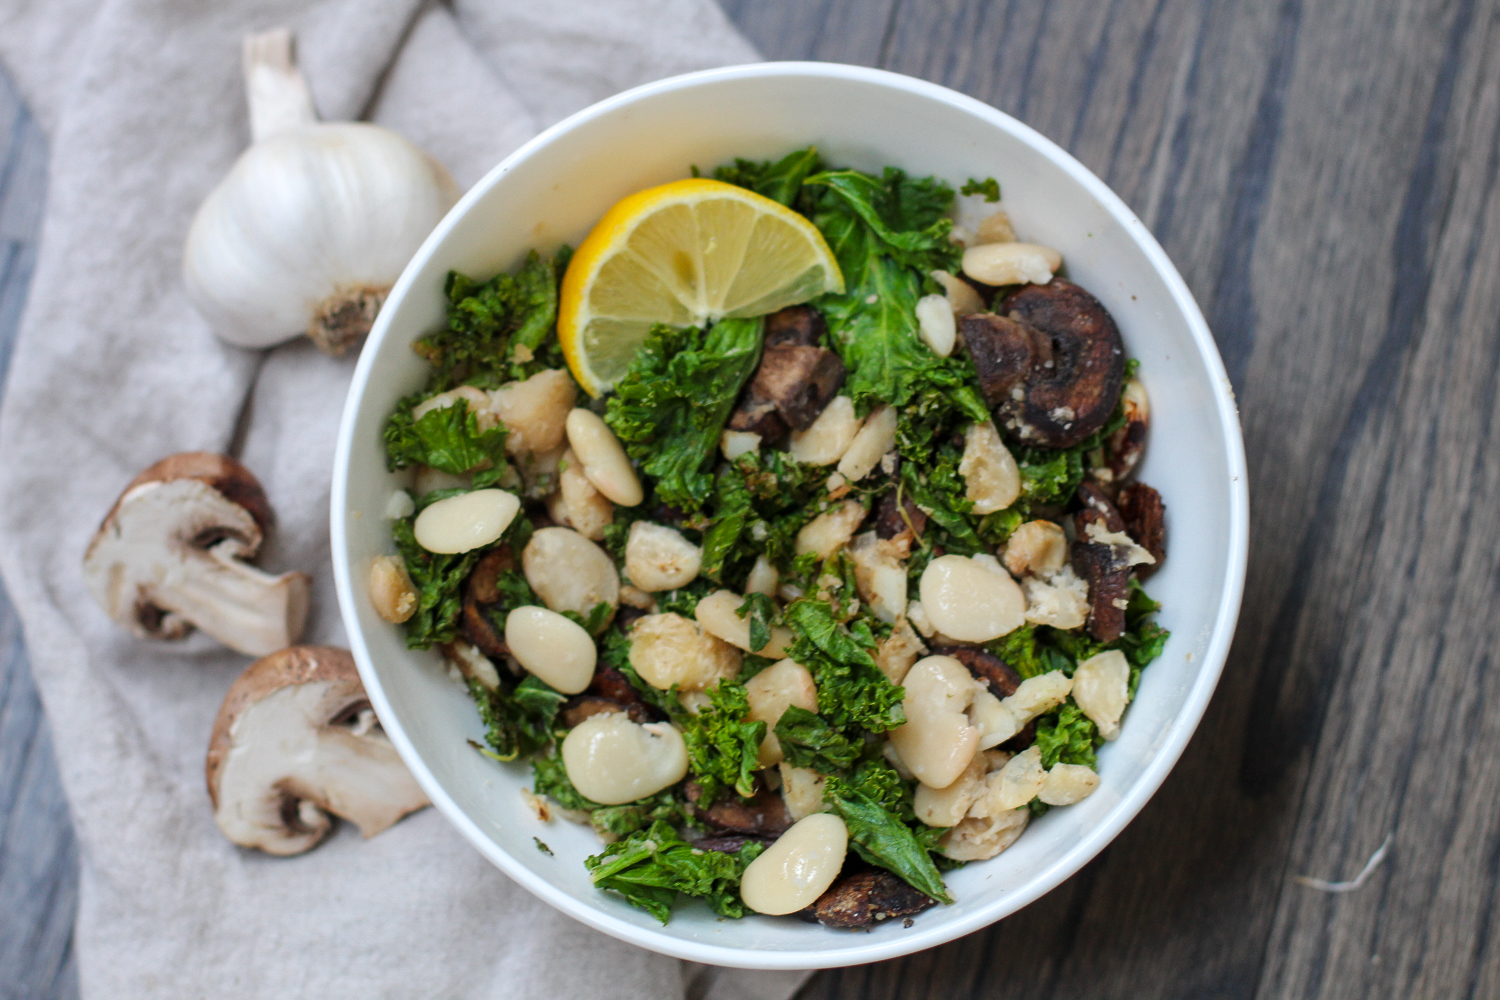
{"x":755,"y":415}
{"x":1107,"y":572}
{"x":481,"y":591}
{"x":1095,"y":499}
{"x":763,"y":815}
{"x":985,"y":666}
{"x":727,"y":843}
{"x":295,"y":740}
{"x":1077,"y":364}
{"x":798,"y":325}
{"x":1123,"y":448}
{"x":799,"y":380}
{"x":859,"y":901}
{"x":899,"y":520}
{"x":174,"y":551}
{"x":1146,"y":521}
{"x":586,"y":706}
{"x":610,"y":684}
{"x":1003,"y":352}
{"x":482,"y":585}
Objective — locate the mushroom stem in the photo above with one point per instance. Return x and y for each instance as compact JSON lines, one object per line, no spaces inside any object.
{"x":243,"y":607}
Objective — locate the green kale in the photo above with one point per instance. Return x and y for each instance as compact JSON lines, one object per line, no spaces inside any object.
{"x":943,"y":494}
{"x":780,"y":180}
{"x":723,"y":747}
{"x":499,"y":329}
{"x":1049,"y":476}
{"x":852,"y":691}
{"x":762,"y":612}
{"x":1027,"y":651}
{"x":760,"y":503}
{"x":598,"y":617}
{"x":808,"y":741}
{"x":733,"y":507}
{"x":448,"y":439}
{"x":519,"y":720}
{"x":1068,"y":736}
{"x":672,"y":403}
{"x":651,"y":866}
{"x":878,"y":834}
{"x":684,"y":600}
{"x":989,"y":187}
{"x":549,"y":777}
{"x":438,"y":580}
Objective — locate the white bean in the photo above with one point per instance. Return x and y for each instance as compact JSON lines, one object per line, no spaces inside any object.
{"x":937,"y":742}
{"x":534,"y":410}
{"x":962,"y":297}
{"x":763,"y":578}
{"x":896,"y":654}
{"x":798,"y":868}
{"x":1011,"y":263}
{"x":1061,"y":602}
{"x":391,"y":592}
{"x":967,"y":601}
{"x":736,"y":443}
{"x":1101,"y":686}
{"x":1036,"y":547}
{"x":829,"y":436}
{"x":937,"y":324}
{"x":718,"y":614}
{"x":587,"y":510}
{"x":1034,"y":696}
{"x":771,"y":692}
{"x":948,"y":806}
{"x":613,"y":761}
{"x":991,"y":477}
{"x":569,"y":572}
{"x":995,"y":228}
{"x":831,"y":530}
{"x":427,"y":479}
{"x":604,"y":460}
{"x":1014,"y":785}
{"x":875,"y":438}
{"x":978,"y":838}
{"x":880,"y":576}
{"x":465,"y":522}
{"x":659,"y":558}
{"x":554,"y":648}
{"x":669,"y":649}
{"x":1067,"y":784}
{"x":802,"y":790}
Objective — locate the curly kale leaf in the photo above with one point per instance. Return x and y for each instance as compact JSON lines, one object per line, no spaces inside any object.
{"x":762,"y":614}
{"x":517,"y":721}
{"x":852,"y":691}
{"x":1068,"y":736}
{"x":499,"y":329}
{"x":989,"y":187}
{"x":780,"y":180}
{"x":448,"y":439}
{"x":808,"y":741}
{"x":684,"y":600}
{"x":1028,"y":652}
{"x":760,"y":503}
{"x":723,"y":748}
{"x":871,"y":802}
{"x":651,"y":866}
{"x":672,"y":403}
{"x":438,"y":580}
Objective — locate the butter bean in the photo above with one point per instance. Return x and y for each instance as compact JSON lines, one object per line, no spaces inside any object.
{"x":875,"y":438}
{"x":1011,"y":263}
{"x":569,"y":572}
{"x":659,"y":558}
{"x":1067,"y":784}
{"x":829,"y":436}
{"x":937,"y":742}
{"x":465,"y":522}
{"x":391,"y":591}
{"x":968,"y":601}
{"x":613,"y":761}
{"x":961,"y":296}
{"x":763,"y":578}
{"x":992,"y":479}
{"x":1101,"y":688}
{"x":718,"y":614}
{"x":798,"y":868}
{"x":948,"y":806}
{"x":603,"y":458}
{"x":937,"y":324}
{"x":554,"y":648}
{"x":770,"y":693}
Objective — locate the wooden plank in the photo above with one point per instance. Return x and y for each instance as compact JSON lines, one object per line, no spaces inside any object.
{"x":846,"y":31}
{"x":38,"y":859}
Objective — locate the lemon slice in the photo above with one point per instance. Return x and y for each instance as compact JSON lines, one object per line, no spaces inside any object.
{"x":683,"y":253}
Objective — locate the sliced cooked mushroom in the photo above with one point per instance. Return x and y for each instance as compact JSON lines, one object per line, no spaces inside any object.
{"x":295,"y":740}
{"x":790,"y":388}
{"x":799,"y":325}
{"x":764,"y":815}
{"x":1050,"y":361}
{"x":1105,"y":567}
{"x":171,"y":555}
{"x":899,"y":520}
{"x":1146,"y":521}
{"x":1123,"y":448}
{"x":586,"y":706}
{"x":728,"y":843}
{"x":985,"y":666}
{"x":859,"y":901}
{"x":612,"y":685}
{"x":481,"y":591}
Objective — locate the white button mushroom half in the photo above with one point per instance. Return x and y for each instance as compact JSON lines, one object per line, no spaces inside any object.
{"x":937,"y":742}
{"x":613,"y":761}
{"x":798,"y":868}
{"x":554,"y":648}
{"x":970,"y":601}
{"x":465,"y":522}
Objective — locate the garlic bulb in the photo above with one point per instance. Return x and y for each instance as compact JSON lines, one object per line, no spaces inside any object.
{"x":315,"y":221}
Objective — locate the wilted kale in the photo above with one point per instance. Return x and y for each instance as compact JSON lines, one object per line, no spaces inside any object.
{"x":670,"y":406}
{"x":871,"y":802}
{"x":780,"y":180}
{"x":1141,"y":642}
{"x":438,"y":580}
{"x":989,"y":187}
{"x":1068,"y":736}
{"x":448,"y":439}
{"x":852,"y":691}
{"x":650,"y":867}
{"x":1027,"y":650}
{"x":808,"y":741}
{"x":517,"y":721}
{"x":723,"y":747}
{"x":684,"y":600}
{"x":759,"y":504}
{"x":499,"y":329}
{"x":762,"y":613}
{"x":550,"y":778}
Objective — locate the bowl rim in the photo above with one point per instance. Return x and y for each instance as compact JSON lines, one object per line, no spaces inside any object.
{"x":861,"y":949}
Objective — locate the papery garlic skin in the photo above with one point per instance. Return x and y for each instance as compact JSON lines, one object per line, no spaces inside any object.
{"x":314,"y":223}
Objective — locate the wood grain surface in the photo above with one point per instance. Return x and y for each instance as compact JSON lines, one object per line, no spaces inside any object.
{"x":1325,"y":176}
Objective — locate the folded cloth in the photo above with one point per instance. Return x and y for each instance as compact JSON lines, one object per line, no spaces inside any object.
{"x":144,"y":108}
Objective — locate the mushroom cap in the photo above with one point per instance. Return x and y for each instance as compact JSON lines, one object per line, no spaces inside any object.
{"x":167,"y":557}
{"x":296,"y":739}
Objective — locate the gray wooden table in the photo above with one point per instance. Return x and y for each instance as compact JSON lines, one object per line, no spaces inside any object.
{"x":1324,"y":174}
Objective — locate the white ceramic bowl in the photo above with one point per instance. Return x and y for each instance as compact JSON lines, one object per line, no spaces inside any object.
{"x":552,"y":190}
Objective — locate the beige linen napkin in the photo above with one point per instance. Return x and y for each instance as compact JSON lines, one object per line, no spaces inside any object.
{"x":143,"y":105}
